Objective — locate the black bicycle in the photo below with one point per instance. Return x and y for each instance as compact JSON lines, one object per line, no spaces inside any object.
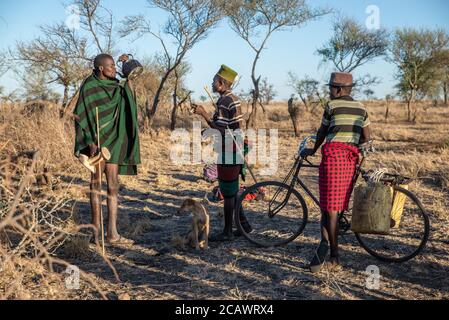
{"x":279,"y":214}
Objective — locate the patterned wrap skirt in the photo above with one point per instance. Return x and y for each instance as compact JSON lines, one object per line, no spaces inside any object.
{"x":337,"y":169}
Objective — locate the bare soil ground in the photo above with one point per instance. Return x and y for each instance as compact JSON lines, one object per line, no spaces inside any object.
{"x":154,"y":268}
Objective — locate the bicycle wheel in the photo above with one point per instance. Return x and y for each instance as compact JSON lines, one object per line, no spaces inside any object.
{"x":406,"y":241}
{"x":272,"y":230}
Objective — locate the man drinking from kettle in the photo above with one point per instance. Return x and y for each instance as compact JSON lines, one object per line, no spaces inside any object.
{"x":104,"y":98}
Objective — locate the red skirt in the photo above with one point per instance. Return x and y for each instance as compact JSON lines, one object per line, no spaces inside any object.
{"x":337,"y":169}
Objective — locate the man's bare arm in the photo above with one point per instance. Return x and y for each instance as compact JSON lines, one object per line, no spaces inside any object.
{"x":199,"y":110}
{"x":320,"y":137}
{"x":366,"y":135}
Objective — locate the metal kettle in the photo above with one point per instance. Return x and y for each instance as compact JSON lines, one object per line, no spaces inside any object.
{"x":131,"y":69}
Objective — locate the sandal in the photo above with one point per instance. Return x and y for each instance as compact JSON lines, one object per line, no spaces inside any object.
{"x":120,"y":241}
{"x":320,"y":256}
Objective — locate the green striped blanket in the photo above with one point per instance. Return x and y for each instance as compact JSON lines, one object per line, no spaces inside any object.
{"x":118,"y":122}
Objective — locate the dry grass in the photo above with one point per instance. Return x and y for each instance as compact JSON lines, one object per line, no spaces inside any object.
{"x":154,"y":268}
{"x":36,"y":212}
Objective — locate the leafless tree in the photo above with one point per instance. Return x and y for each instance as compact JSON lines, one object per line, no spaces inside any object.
{"x":59,"y":53}
{"x":255,"y":21}
{"x":63,"y":53}
{"x":4,"y":62}
{"x":267,"y":91}
{"x":180,"y":93}
{"x":97,"y":21}
{"x":353,"y":45}
{"x":189,"y":22}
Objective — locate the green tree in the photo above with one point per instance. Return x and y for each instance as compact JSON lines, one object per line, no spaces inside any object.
{"x":415,"y":54}
{"x":443,"y":73}
{"x":353,"y":45}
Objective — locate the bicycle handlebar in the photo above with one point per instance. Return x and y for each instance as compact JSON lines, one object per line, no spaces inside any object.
{"x":365,"y":148}
{"x":303,"y":144}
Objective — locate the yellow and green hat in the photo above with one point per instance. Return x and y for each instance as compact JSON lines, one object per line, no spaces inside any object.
{"x":227,"y":73}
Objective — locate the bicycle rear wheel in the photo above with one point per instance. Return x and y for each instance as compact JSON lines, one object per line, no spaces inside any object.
{"x":272,"y":230}
{"x":406,"y":241}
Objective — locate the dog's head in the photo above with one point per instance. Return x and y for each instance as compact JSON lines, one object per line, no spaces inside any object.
{"x":187,"y":206}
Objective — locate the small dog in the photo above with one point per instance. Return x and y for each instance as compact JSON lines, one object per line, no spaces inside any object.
{"x":199,"y":234}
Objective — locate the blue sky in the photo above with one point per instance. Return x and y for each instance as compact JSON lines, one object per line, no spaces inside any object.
{"x":292,"y":50}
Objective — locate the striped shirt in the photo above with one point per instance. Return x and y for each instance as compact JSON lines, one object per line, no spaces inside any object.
{"x":229,"y":111}
{"x":345,"y":120}
{"x":229,"y":115}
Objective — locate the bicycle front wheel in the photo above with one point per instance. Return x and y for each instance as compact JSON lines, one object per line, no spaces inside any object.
{"x":404,"y":241}
{"x":276,"y":213}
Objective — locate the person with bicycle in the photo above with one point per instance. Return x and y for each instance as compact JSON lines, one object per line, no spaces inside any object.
{"x":345,"y":125}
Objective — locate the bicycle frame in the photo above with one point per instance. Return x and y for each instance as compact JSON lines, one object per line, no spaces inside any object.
{"x":344,"y":224}
{"x":299,"y":164}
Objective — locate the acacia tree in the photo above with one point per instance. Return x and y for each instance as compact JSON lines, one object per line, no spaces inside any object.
{"x":255,"y":21}
{"x":38,"y":86}
{"x":368,"y":93}
{"x":59,"y":53}
{"x":306,"y":88}
{"x":415,"y":54}
{"x":64,"y":53}
{"x":353,"y":45}
{"x":189,"y":22}
{"x":443,"y":73}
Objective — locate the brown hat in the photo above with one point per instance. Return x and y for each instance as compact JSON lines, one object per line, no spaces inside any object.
{"x":341,"y":79}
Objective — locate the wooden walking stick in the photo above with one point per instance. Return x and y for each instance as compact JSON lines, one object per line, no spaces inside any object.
{"x":99,"y":177}
{"x":242,"y":154}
